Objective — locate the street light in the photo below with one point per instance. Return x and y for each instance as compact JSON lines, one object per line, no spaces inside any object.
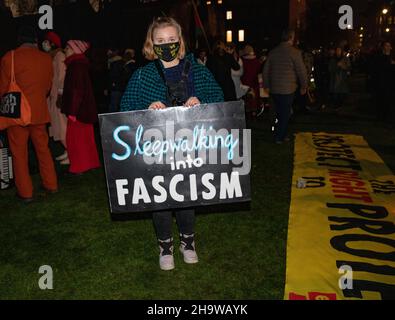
{"x":385,"y":11}
{"x":387,"y":30}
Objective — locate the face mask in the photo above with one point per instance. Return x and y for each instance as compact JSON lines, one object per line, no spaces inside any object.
{"x":46,"y":46}
{"x":168,"y":51}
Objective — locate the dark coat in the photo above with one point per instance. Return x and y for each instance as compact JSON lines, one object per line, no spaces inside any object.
{"x":127,"y":72}
{"x":284,"y":70}
{"x":221,"y":67}
{"x":339,"y":69}
{"x":384,"y":74}
{"x":78,"y":97}
{"x":115,"y":76}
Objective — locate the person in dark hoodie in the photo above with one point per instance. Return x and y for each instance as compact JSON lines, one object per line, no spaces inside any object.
{"x":221,"y":64}
{"x":79,"y":106}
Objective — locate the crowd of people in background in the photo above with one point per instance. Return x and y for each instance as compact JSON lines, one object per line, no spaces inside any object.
{"x":56,"y":78}
{"x":381,"y":70}
{"x":297,"y":79}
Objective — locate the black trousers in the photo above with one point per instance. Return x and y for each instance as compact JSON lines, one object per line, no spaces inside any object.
{"x":283,"y":106}
{"x":163,"y":222}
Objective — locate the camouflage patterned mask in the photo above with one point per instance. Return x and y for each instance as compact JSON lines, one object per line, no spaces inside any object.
{"x":168,"y":51}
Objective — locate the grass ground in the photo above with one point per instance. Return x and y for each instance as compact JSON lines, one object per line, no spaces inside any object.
{"x":242,"y":255}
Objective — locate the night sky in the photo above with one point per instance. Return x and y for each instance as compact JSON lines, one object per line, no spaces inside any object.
{"x":124,"y":23}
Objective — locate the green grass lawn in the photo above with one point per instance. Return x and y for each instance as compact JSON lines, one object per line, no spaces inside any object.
{"x":242,"y":255}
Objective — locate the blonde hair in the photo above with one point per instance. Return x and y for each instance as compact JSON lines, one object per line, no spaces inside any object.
{"x":158,"y":23}
{"x":248,"y":50}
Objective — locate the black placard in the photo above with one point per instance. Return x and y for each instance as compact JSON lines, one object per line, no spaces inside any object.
{"x":214,"y":169}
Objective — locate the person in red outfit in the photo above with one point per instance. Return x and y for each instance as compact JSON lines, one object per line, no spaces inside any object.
{"x":33,"y":73}
{"x":80,"y":107}
{"x":252,"y":68}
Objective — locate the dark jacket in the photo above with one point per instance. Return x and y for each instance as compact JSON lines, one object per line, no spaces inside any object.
{"x":115,"y":75}
{"x":146,"y":86}
{"x":78,"y":97}
{"x":384,"y":72}
{"x":127,"y":71}
{"x":339,"y":69}
{"x":221,"y":67}
{"x":284,"y":70}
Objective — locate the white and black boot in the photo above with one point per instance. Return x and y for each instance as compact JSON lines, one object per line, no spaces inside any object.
{"x":187,"y":248}
{"x":62,"y":157}
{"x":166,"y":259}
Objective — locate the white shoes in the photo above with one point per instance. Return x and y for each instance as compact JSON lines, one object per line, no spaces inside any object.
{"x":187,"y":248}
{"x":166,"y":259}
{"x":64,"y":156}
{"x":65,"y":162}
{"x":63,"y":159}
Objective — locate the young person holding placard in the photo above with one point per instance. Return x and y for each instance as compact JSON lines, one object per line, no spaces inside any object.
{"x":173,"y":78}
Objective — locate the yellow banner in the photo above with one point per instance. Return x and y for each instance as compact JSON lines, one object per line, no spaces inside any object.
{"x":341,"y":234}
